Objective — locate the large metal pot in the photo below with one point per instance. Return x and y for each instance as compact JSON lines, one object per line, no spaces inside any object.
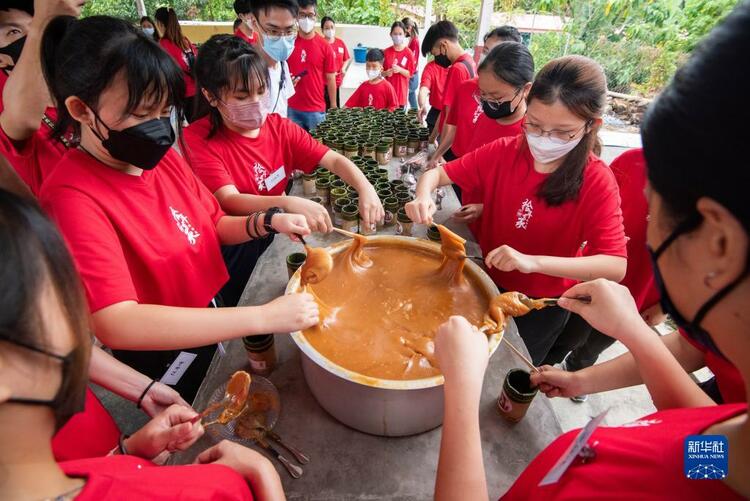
{"x":380,"y":406}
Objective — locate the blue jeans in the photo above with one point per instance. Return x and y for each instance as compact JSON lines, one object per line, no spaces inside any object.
{"x":413,"y":86}
{"x":308,"y":120}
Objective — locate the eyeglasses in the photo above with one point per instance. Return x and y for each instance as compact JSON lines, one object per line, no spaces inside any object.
{"x":556,"y":136}
{"x":311,"y":17}
{"x":276,"y":35}
{"x":493,"y":104}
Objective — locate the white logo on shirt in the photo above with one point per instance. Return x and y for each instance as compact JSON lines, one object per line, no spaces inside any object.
{"x":477,"y":114}
{"x":183,"y":224}
{"x":369,"y":100}
{"x":260,"y":173}
{"x":641,"y":423}
{"x":524,"y":215}
{"x":341,"y":50}
{"x":303,"y":56}
{"x":403,"y":62}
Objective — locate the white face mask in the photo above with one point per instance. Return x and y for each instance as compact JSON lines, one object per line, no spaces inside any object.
{"x":249,"y":24}
{"x":306,"y":24}
{"x":398,"y":39}
{"x":373,"y":74}
{"x":546,"y":151}
{"x":329,"y":33}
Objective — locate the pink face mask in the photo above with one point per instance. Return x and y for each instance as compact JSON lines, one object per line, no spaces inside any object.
{"x":248,"y":116}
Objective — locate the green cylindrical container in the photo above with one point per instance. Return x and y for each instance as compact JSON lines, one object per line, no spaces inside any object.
{"x":350,"y":218}
{"x":308,"y":184}
{"x":337,"y":193}
{"x":338,"y":206}
{"x":390,"y":204}
{"x":294,"y":261}
{"x":404,"y":222}
{"x":433,"y":233}
{"x":403,"y":198}
{"x":338,"y":183}
{"x":323,"y":189}
{"x":399,"y":146}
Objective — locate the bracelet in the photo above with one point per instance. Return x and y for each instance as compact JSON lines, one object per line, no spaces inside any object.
{"x":121,"y":444}
{"x":143,"y":395}
{"x":255,"y":224}
{"x":269,"y":216}
{"x":247,"y":226}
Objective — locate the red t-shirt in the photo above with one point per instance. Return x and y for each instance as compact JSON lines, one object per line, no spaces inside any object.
{"x":241,"y":34}
{"x":728,"y":378}
{"x":380,"y":95}
{"x":458,"y":73}
{"x":405,"y":59}
{"x":258,"y":166}
{"x":149,"y":238}
{"x":35,"y":158}
{"x":503,"y":174}
{"x":473,"y":127}
{"x":433,"y":77}
{"x":630,"y":171}
{"x":639,"y":460}
{"x":88,"y":434}
{"x":181,"y":57}
{"x":414,"y":48}
{"x":316,"y":56}
{"x":342,"y":56}
{"x":128,"y":477}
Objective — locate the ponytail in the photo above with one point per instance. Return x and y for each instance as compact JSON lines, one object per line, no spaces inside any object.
{"x":172,"y":30}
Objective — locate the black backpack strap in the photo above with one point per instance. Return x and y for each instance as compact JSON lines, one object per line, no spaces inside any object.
{"x":469,"y":67}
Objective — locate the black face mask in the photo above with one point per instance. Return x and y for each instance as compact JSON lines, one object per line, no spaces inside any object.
{"x":143,"y":145}
{"x":14,"y":49}
{"x":443,"y":61}
{"x":693,"y":327}
{"x":499,"y":110}
{"x":68,"y":400}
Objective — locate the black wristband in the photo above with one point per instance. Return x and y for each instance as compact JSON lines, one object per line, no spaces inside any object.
{"x":267,"y":219}
{"x":247,"y":226}
{"x":121,"y":444}
{"x":143,"y":395}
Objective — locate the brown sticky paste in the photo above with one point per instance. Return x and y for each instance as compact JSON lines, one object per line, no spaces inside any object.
{"x":508,"y":304}
{"x":454,"y":256}
{"x":383,"y":317}
{"x":237,"y":390}
{"x":317,"y":265}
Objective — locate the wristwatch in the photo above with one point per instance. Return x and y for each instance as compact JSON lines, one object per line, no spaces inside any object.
{"x":267,"y":219}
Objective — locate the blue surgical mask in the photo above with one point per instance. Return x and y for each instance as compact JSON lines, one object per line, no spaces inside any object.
{"x":279,"y":48}
{"x":148,"y":31}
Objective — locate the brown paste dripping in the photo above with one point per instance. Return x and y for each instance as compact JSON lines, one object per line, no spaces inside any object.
{"x":385,"y":302}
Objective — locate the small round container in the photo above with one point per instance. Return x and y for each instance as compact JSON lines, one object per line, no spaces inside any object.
{"x":261,"y":353}
{"x":308,"y":184}
{"x":323,"y":189}
{"x":382,"y":185}
{"x":399,"y":147}
{"x":337,"y":193}
{"x":404,"y":223}
{"x":433,"y":233}
{"x":383,"y":153}
{"x":350,"y":218}
{"x":338,"y":183}
{"x":516,"y":395}
{"x":368,"y":150}
{"x":351,"y":150}
{"x":322,"y":172}
{"x":403,"y":198}
{"x":338,"y":206}
{"x":395,"y":184}
{"x":317,"y":200}
{"x":294,"y":261}
{"x":385,"y":193}
{"x":412,"y":145}
{"x":383,"y":174}
{"x":402,"y":188}
{"x":390,"y":204}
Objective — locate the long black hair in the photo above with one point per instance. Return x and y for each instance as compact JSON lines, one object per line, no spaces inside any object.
{"x":580,"y":85}
{"x":83,"y":57}
{"x":694,"y":133}
{"x":409,"y":22}
{"x":511,"y":62}
{"x":226,"y":62}
{"x":34,"y":257}
{"x":172,"y":30}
